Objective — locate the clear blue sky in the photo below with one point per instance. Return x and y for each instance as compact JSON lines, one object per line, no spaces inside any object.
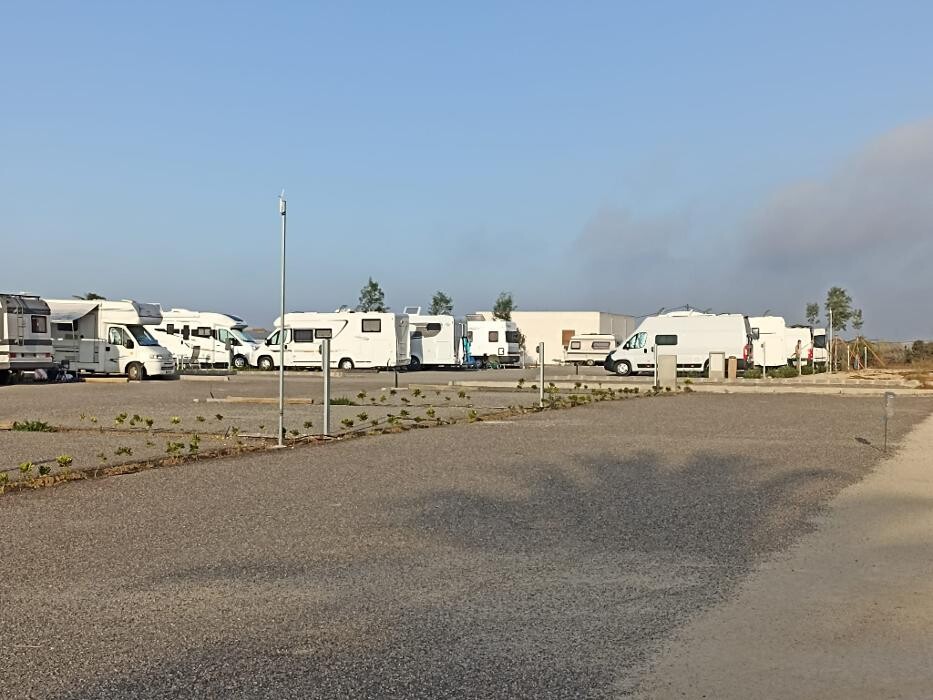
{"x":622,"y":156}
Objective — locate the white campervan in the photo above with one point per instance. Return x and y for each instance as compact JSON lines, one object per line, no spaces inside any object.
{"x":493,"y":340}
{"x":206,"y":338}
{"x":589,"y":348}
{"x":770,"y":341}
{"x":108,"y":337}
{"x":690,"y":335}
{"x":25,"y":340}
{"x":435,"y":339}
{"x":820,"y":347}
{"x":358,"y":339}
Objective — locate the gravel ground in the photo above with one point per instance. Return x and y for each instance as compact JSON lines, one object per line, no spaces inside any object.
{"x":84,"y":408}
{"x":544,"y":557}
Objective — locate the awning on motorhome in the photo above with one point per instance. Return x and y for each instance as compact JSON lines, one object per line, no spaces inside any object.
{"x":71,"y":312}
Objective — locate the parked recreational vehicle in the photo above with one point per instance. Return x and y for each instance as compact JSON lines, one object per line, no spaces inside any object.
{"x":589,"y":349}
{"x":359,"y":339}
{"x":804,"y":335}
{"x":108,"y":337}
{"x":820,"y":347}
{"x":435,"y":339}
{"x":493,"y":340}
{"x":691,"y":336}
{"x":770,"y":341}
{"x":25,"y":340}
{"x":205,"y":337}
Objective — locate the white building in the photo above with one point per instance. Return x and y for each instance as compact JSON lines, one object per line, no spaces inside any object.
{"x":556,"y":328}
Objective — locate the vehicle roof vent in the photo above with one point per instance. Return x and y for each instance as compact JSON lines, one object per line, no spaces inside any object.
{"x":475,"y":317}
{"x":413,"y":310}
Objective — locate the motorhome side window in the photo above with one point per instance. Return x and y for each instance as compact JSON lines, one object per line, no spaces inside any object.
{"x":372,"y":325}
{"x":512,"y":336}
{"x":115,"y":336}
{"x":665,"y":340}
{"x":202,"y":332}
{"x":303,"y":335}
{"x":39,"y":324}
{"x":574,"y":344}
{"x":602,"y":345}
{"x":493,"y":336}
{"x":636,"y":342}
{"x":274,"y":338}
{"x":431,"y":330}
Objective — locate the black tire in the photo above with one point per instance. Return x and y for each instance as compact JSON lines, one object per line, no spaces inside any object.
{"x":240,"y":362}
{"x":345,"y":364}
{"x":623,"y":368}
{"x":135,"y":372}
{"x":4,"y":377}
{"x":414,"y":364}
{"x":266,"y":363}
{"x":589,"y":363}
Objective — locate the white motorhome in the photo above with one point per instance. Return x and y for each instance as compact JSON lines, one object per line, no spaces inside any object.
{"x":108,"y":337}
{"x":689,"y":335}
{"x":435,"y":339}
{"x":25,"y":340}
{"x":589,"y":348}
{"x":493,"y":340}
{"x":358,"y":339}
{"x":220,"y":339}
{"x":820,"y":347}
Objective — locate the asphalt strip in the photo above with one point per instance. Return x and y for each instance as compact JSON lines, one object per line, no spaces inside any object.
{"x":846,"y":613}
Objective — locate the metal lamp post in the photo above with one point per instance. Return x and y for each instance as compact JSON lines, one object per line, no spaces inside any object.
{"x":281,"y":443}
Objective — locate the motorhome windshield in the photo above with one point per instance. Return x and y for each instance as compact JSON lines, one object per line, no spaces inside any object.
{"x":142,"y":335}
{"x":243,"y":336}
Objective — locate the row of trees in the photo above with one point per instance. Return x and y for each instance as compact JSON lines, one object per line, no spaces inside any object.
{"x":839,"y":303}
{"x":373,"y":299}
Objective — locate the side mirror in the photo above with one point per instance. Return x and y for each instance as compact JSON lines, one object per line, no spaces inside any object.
{"x":129,"y":344}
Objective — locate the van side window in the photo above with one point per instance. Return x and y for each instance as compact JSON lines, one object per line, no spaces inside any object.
{"x":303,"y":335}
{"x":115,"y":336}
{"x":636,"y":342}
{"x":574,"y":344}
{"x":40,"y":324}
{"x":372,"y":325}
{"x":665,"y":340}
{"x":493,"y":336}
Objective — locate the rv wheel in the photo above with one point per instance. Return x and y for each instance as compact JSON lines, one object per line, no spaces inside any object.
{"x":4,"y":376}
{"x":414,"y":364}
{"x":589,"y":363}
{"x":623,"y":368}
{"x":239,"y":362}
{"x":265,"y":362}
{"x":345,"y":364}
{"x":135,"y":371}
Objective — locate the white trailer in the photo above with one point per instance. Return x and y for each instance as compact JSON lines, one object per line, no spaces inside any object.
{"x":493,"y":340}
{"x":589,"y":349}
{"x":108,"y":337}
{"x":212,"y":339}
{"x":435,"y":339}
{"x":359,"y":339}
{"x":689,"y":335}
{"x":25,"y":338}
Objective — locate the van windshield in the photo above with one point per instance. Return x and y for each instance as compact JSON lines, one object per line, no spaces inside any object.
{"x":142,"y":335}
{"x":636,"y":342}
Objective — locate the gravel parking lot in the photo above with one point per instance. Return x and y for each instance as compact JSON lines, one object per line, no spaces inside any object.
{"x":548,"y":556}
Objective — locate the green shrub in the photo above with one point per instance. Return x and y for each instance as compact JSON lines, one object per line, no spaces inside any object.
{"x":342,"y":401}
{"x":33,"y":426}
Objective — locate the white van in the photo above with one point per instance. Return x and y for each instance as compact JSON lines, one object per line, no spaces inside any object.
{"x":108,"y":337}
{"x":435,"y":339}
{"x":820,"y":347}
{"x":25,"y":340}
{"x":691,"y":336}
{"x":770,"y":341}
{"x":493,"y":340}
{"x":359,"y":339}
{"x":589,"y":348}
{"x":220,"y":339}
